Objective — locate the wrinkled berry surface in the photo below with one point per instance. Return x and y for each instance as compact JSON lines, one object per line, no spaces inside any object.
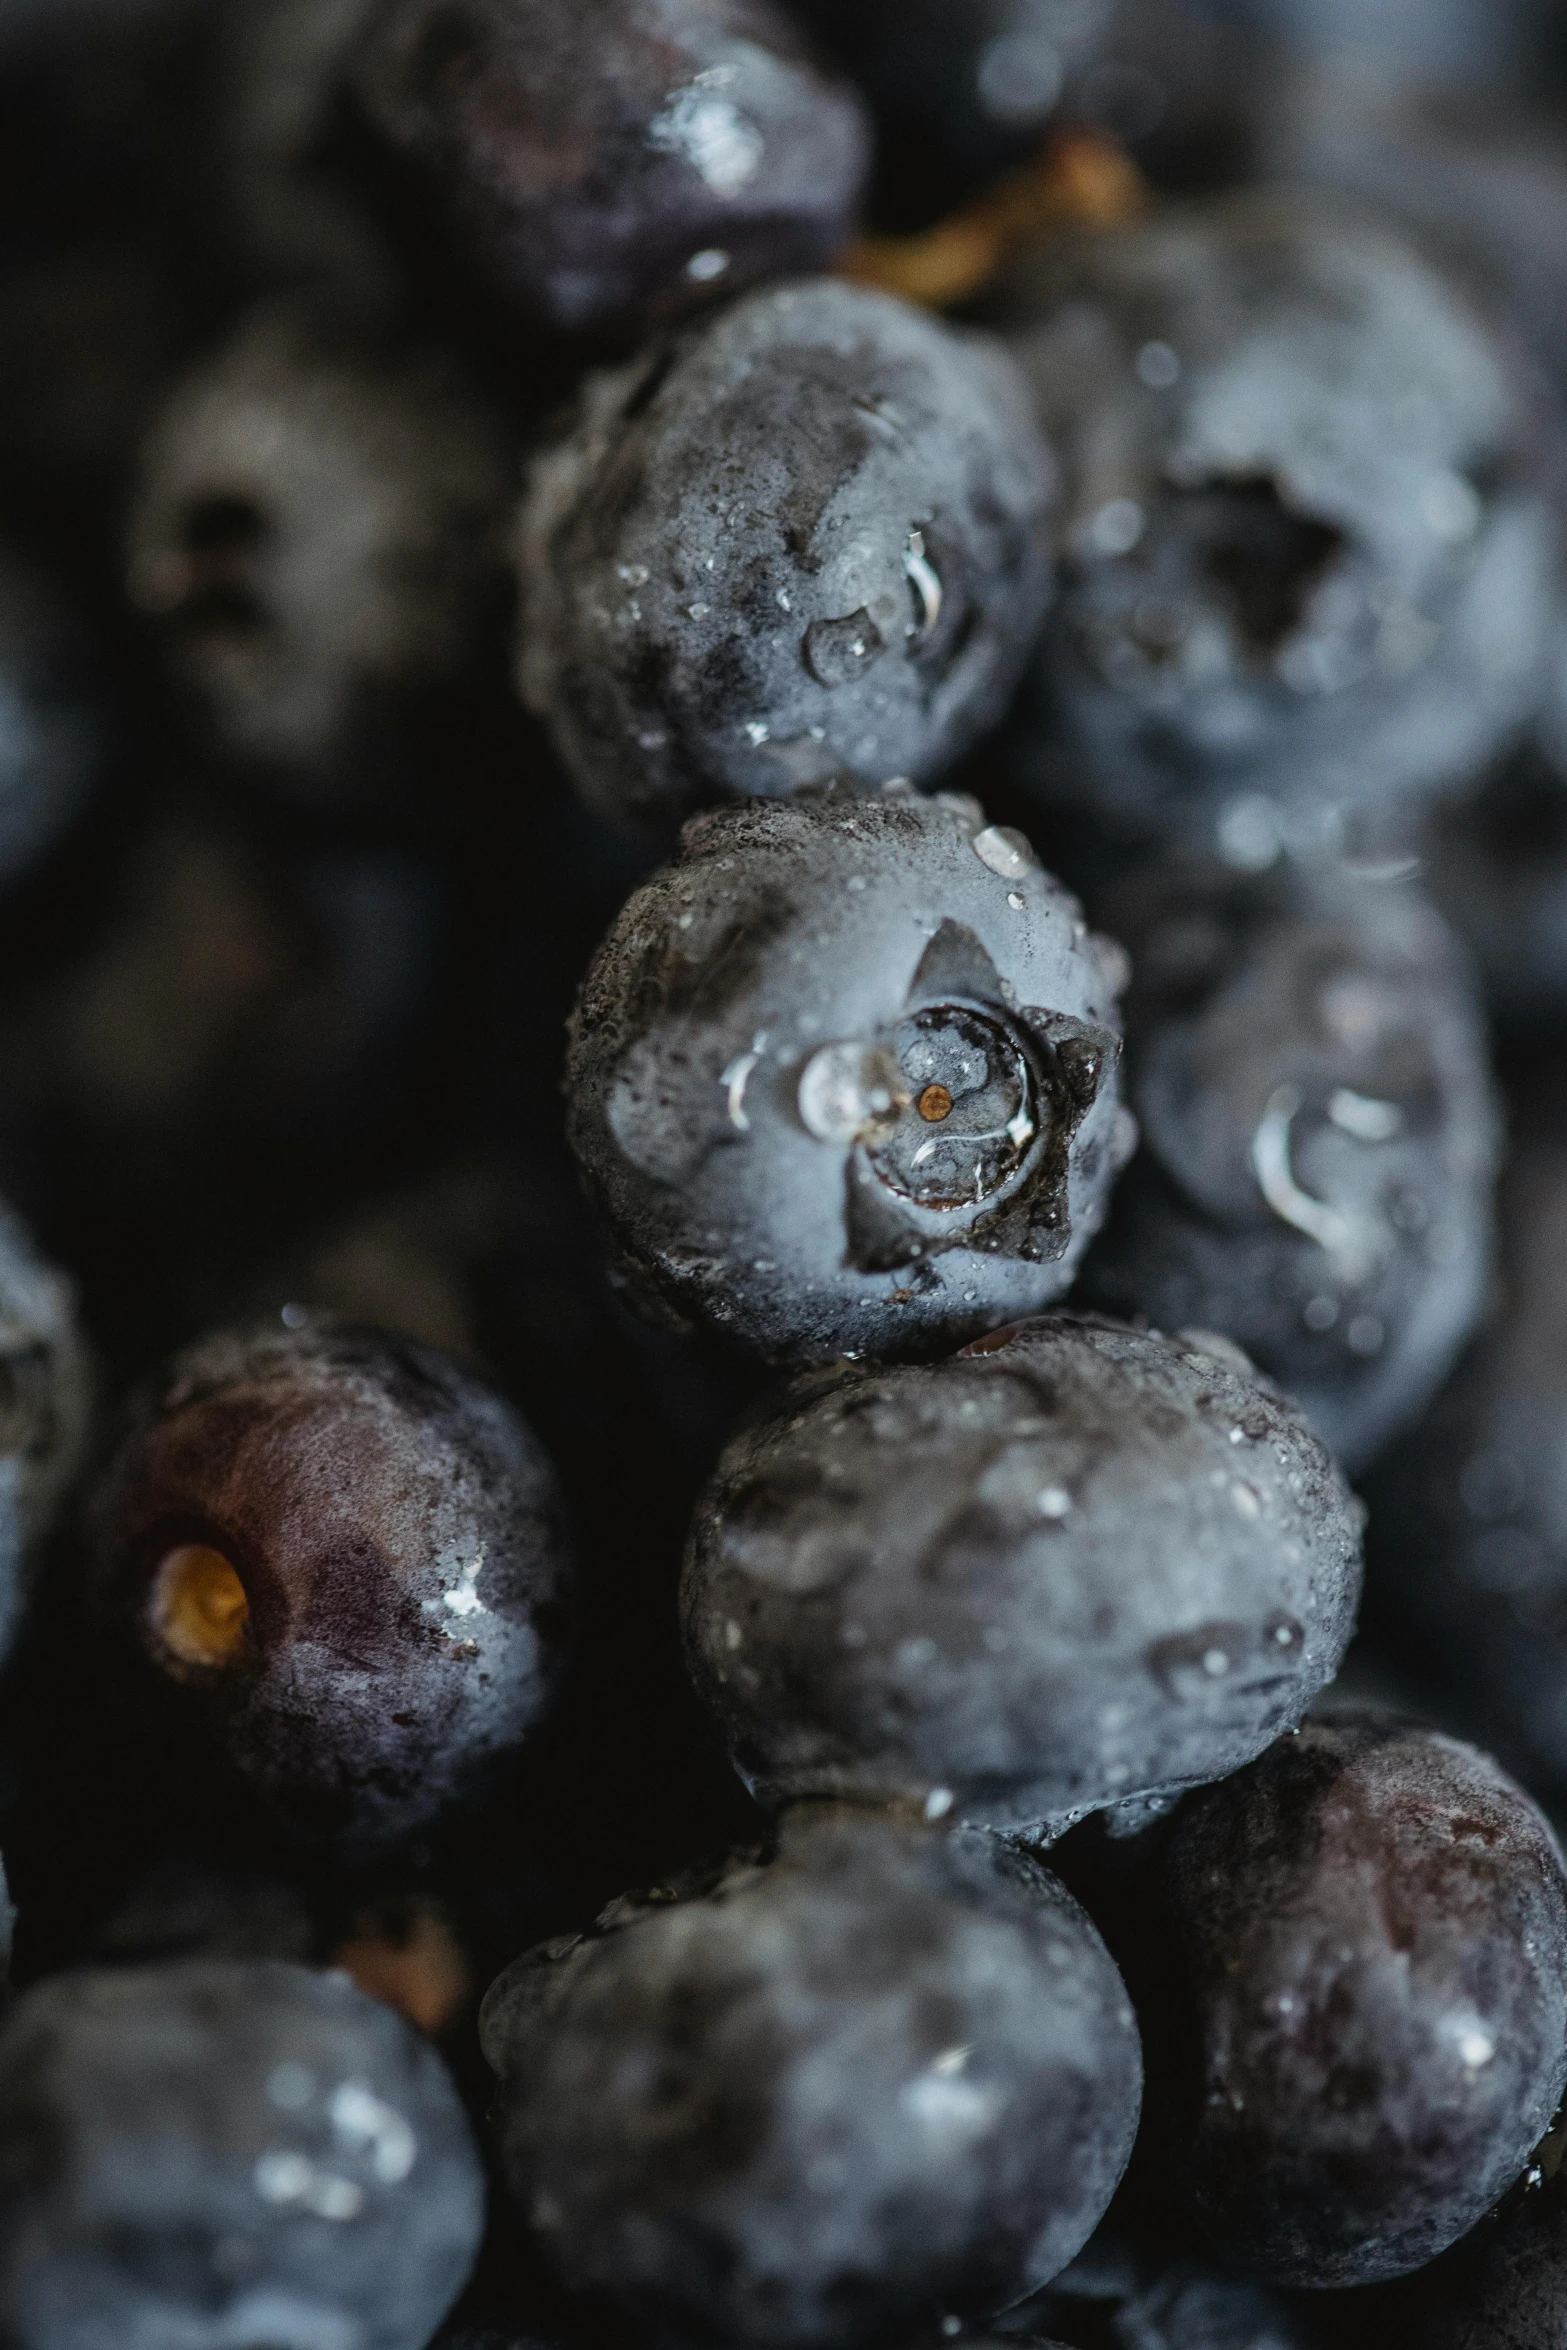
{"x":808,"y":539}
{"x":1373,"y":1925}
{"x":843,"y":1079}
{"x":1309,"y":570}
{"x":1076,"y":1566}
{"x":885,"y":2073}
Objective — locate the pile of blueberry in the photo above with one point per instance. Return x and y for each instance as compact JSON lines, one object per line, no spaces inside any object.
{"x":783,"y":1174}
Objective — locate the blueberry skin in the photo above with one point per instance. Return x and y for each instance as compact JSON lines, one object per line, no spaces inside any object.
{"x":46,"y":1397}
{"x":888,"y":2075}
{"x":755,"y":1071}
{"x":806,"y":540}
{"x":397,"y":1531}
{"x":56,"y":721}
{"x":611,"y":164}
{"x":318,"y":535}
{"x":1468,"y":1552}
{"x":213,"y":2153}
{"x":1308,"y":1068}
{"x":1310,"y":567}
{"x":1373,"y":1925}
{"x":1074,"y":1567}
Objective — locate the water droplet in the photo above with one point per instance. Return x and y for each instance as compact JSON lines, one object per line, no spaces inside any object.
{"x":1054,"y":1502}
{"x":849,"y":1090}
{"x":1006,"y":852}
{"x":1016,"y":900}
{"x":294,"y":1317}
{"x":711,"y":262}
{"x":1320,"y":1313}
{"x":938,"y":1803}
{"x":838,"y":651}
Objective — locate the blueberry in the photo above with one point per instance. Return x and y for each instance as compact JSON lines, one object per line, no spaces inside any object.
{"x":609,"y":165}
{"x":1309,"y":579}
{"x":1468,"y":1557}
{"x":842,"y":1079}
{"x":317,"y":534}
{"x":1308,"y":1069}
{"x":1076,"y":1566}
{"x":216,"y":2153}
{"x":807,"y":540}
{"x":45,"y":1408}
{"x":57,"y":723}
{"x":889,"y":2074}
{"x":1373,"y":1925}
{"x":347,"y":1552}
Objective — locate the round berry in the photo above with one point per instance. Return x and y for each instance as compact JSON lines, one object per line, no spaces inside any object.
{"x":1308,"y":1068}
{"x":1076,"y":1566}
{"x":807,"y":540}
{"x":318,"y":534}
{"x":842,"y":1079}
{"x":889,"y":2075}
{"x":1310,"y":569}
{"x":613,"y":163}
{"x":347,"y":1553}
{"x":216,"y":2153}
{"x":1373,"y":1924}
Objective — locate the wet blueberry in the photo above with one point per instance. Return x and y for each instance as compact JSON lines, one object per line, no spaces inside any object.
{"x":1309,"y":578}
{"x":217,"y":2153}
{"x":1307,"y":1065}
{"x":1077,"y":1566}
{"x":1373,"y":1925}
{"x":842,"y":1079}
{"x":888,"y":2075}
{"x":45,"y":1407}
{"x":318,"y":534}
{"x":347,"y":1553}
{"x":806,"y":540}
{"x":1468,"y":1554}
{"x":610,"y":164}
